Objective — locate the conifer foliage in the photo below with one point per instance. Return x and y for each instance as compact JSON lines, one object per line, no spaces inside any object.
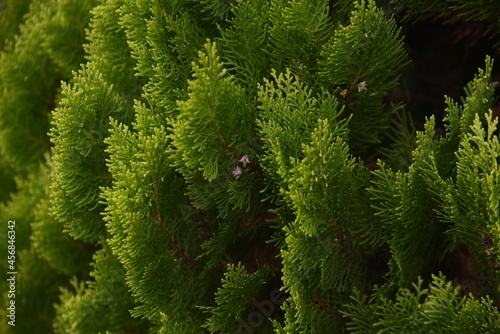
{"x":218,"y":166}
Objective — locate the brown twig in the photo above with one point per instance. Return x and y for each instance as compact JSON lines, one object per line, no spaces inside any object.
{"x":342,"y":242}
{"x":325,"y":308}
{"x":160,"y":222}
{"x":180,"y":253}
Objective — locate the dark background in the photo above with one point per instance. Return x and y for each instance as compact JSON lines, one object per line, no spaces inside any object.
{"x":446,"y":52}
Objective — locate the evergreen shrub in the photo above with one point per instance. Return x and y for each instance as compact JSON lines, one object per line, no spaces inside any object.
{"x":231,"y":166}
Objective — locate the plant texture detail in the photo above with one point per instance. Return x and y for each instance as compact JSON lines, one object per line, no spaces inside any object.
{"x":264,"y":166}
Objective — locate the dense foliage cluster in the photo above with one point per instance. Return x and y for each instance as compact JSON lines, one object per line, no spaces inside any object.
{"x":231,"y":166}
